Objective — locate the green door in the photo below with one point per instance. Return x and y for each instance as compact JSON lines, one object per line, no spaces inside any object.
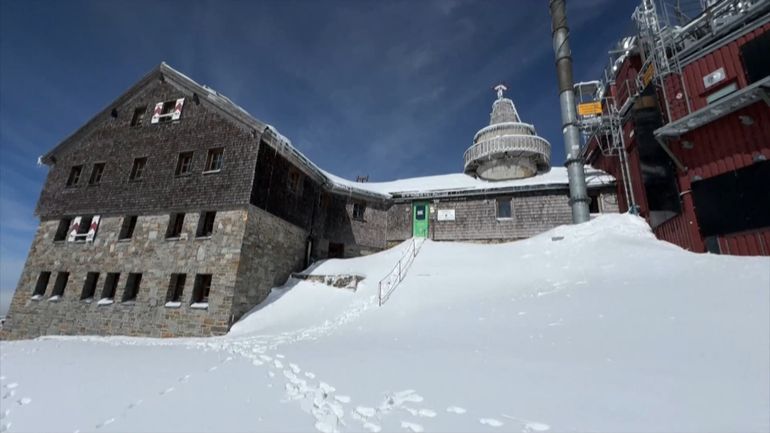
{"x":420,"y":219}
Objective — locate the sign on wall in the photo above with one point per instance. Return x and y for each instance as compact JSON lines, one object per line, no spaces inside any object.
{"x":446,"y":214}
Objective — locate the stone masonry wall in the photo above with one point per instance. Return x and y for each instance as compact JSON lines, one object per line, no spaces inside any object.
{"x":272,"y":250}
{"x":149,"y":253}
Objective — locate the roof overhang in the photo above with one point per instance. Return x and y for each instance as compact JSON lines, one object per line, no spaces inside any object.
{"x":759,"y":91}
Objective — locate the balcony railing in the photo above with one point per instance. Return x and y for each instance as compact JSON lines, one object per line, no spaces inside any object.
{"x":527,"y":144}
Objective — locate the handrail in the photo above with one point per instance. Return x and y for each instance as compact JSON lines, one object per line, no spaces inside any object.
{"x":389,"y":283}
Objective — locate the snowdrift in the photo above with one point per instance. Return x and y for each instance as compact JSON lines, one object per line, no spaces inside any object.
{"x":595,"y":327}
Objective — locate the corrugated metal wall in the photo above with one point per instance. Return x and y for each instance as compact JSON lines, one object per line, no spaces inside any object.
{"x":751,"y":243}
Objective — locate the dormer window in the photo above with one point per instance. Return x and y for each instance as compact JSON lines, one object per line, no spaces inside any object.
{"x":167,"y":111}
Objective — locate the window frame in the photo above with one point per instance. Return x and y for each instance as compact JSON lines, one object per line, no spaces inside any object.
{"x":128,"y":227}
{"x":41,"y":285}
{"x":203,"y":222}
{"x":110,"y":286}
{"x":63,"y":230}
{"x":60,"y":284}
{"x":210,"y":158}
{"x":89,"y":286}
{"x":202,"y":289}
{"x":175,"y":219}
{"x":176,"y":286}
{"x":509,"y":202}
{"x":359,"y":210}
{"x":138,"y":117}
{"x":179,"y":164}
{"x":76,"y":172}
{"x":100,"y":166}
{"x":135,"y":168}
{"x":133,"y":284}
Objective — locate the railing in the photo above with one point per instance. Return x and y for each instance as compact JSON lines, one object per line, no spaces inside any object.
{"x":389,"y":283}
{"x":508,"y":143}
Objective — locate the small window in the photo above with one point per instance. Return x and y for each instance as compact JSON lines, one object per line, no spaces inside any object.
{"x":206,"y":224}
{"x":176,"y":287}
{"x":63,"y":229}
{"x":215,"y":159}
{"x":167,"y":111}
{"x":202,"y":288}
{"x":96,"y":174}
{"x":336,"y":250}
{"x":138,"y":117}
{"x":359,"y":209}
{"x":593,"y":206}
{"x":294,"y":181}
{"x":110,"y":285}
{"x":419,"y":212}
{"x":175,"y":225}
{"x":127,"y":228}
{"x":132,"y":287}
{"x":89,"y":287}
{"x":74,"y":176}
{"x":60,"y":284}
{"x":137,"y":170}
{"x":83,"y":228}
{"x":503,"y":208}
{"x":42,"y":284}
{"x":184,"y":163}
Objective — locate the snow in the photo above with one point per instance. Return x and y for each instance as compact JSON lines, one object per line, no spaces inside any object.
{"x":105,"y":301}
{"x":172,"y":304}
{"x":200,"y":305}
{"x":461,"y":182}
{"x":607,"y":329}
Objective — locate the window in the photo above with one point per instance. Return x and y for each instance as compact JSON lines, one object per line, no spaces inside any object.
{"x":96,"y":174}
{"x":132,"y":287}
{"x":336,"y":250}
{"x":63,"y":229}
{"x":138,"y":117}
{"x":89,"y":287}
{"x":358,"y":211}
{"x":214,"y":159}
{"x":176,"y":287}
{"x":206,"y":224}
{"x":137,"y":170}
{"x":175,"y":225}
{"x":202,"y":289}
{"x":74,"y":176}
{"x":41,"y":285}
{"x":503,"y":208}
{"x":60,"y":284}
{"x":127,"y":228}
{"x":110,"y":285}
{"x":294,"y":181}
{"x":593,"y":205}
{"x":83,"y":228}
{"x":184,"y":163}
{"x":167,"y":111}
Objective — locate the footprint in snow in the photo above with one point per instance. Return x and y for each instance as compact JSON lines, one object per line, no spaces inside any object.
{"x":12,"y":385}
{"x":426,"y":413}
{"x":184,"y":378}
{"x":294,"y":368}
{"x":24,"y":401}
{"x":213,"y":368}
{"x":105,"y":423}
{"x":456,"y":409}
{"x":491,"y":422}
{"x":309,"y":375}
{"x":166,"y":391}
{"x":257,"y":362}
{"x":372,"y":427}
{"x":279,"y":356}
{"x":134,"y":404}
{"x":342,"y":398}
{"x":366,"y":412}
{"x":278,"y":364}
{"x":410,"y":426}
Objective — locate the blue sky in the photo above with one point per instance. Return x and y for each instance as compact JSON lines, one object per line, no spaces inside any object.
{"x":390,"y":88}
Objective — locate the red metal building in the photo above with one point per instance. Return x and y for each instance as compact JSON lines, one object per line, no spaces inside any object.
{"x":692,"y":107}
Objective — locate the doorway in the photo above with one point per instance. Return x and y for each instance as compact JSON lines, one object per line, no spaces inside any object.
{"x":420,"y":219}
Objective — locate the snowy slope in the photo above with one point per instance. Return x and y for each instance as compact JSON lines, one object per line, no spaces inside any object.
{"x":595,"y":327}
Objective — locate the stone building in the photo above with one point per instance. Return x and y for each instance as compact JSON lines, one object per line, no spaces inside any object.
{"x":173,"y":212}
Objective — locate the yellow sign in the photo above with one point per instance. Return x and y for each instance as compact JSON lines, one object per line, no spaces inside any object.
{"x":647,"y":75}
{"x":590,"y":108}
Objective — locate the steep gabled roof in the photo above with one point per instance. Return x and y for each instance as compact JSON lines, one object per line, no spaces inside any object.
{"x":445,"y":185}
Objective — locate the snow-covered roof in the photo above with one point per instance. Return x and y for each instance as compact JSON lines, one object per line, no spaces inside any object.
{"x":461,"y":184}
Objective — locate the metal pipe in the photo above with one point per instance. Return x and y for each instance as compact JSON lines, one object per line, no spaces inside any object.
{"x":575,"y":169}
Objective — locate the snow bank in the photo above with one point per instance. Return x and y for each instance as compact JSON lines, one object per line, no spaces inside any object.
{"x":594,"y":327}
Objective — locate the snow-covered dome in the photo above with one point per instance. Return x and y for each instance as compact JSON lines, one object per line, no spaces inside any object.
{"x":507,"y":148}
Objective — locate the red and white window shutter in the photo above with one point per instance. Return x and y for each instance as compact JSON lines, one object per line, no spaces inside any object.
{"x":92,"y":230}
{"x":177,"y":113}
{"x":74,"y":229}
{"x":156,"y":113}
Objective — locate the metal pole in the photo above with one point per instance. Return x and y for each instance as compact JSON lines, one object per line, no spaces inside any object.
{"x":577,"y":179}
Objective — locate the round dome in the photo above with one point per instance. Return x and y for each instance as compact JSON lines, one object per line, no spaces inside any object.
{"x":507,"y":148}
